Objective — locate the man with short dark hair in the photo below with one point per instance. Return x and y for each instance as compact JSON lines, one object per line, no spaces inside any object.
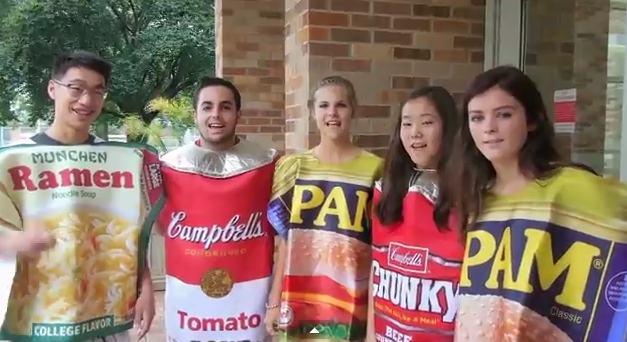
{"x":219,"y":245}
{"x":74,"y":217}
{"x":78,"y":87}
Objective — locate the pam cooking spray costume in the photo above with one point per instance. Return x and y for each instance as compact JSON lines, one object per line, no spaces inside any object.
{"x":548,"y":264}
{"x":322,"y":210}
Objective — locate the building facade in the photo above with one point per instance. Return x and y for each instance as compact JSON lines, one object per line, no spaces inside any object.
{"x":275,"y":51}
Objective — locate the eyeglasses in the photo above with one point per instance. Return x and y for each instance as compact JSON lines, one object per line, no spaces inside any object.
{"x":77,"y":91}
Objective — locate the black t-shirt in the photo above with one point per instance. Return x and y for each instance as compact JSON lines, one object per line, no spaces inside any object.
{"x":44,"y":139}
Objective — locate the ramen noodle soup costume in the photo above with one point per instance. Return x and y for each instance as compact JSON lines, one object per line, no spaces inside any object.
{"x":548,"y":264}
{"x":415,"y":270}
{"x":99,"y":202}
{"x":219,"y":244}
{"x":322,"y":210}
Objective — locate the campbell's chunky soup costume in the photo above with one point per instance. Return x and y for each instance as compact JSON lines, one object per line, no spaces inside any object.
{"x":548,"y":264}
{"x":99,"y":202}
{"x":416,"y":270}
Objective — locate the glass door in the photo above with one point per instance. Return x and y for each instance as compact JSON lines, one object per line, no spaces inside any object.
{"x":575,"y":52}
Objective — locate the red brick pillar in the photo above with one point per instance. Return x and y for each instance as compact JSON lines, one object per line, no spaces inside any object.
{"x":249,"y":52}
{"x":567,"y":47}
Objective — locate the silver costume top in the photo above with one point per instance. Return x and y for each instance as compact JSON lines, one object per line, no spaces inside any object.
{"x":241,"y":158}
{"x":422,"y":182}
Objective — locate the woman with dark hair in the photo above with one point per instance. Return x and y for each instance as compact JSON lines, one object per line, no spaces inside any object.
{"x":416,"y":255}
{"x":545,"y":241}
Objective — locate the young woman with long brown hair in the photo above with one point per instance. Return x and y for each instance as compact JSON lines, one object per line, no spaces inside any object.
{"x":545,"y":241}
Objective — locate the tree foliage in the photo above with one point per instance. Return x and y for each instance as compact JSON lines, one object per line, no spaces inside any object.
{"x":176,"y":118}
{"x":158,"y":49}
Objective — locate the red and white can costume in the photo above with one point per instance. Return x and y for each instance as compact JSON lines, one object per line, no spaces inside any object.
{"x":219,"y":245}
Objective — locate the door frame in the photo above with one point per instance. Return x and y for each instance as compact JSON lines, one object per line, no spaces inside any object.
{"x":623,"y":131}
{"x":504,"y":33}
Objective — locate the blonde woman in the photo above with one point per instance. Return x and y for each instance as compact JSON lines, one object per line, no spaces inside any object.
{"x":320,"y":208}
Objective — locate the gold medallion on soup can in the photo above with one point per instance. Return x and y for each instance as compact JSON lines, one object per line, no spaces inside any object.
{"x":216,"y":282}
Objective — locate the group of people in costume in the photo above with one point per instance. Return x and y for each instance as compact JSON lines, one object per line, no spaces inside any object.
{"x":472,"y":228}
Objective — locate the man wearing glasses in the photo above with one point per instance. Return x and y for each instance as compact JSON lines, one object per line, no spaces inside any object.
{"x":68,"y":241}
{"x":78,"y":88}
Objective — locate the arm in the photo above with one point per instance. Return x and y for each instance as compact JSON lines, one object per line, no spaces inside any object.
{"x":157,"y":228}
{"x":370,"y":330}
{"x":145,"y":283}
{"x":274,"y":298}
{"x":18,"y":236}
{"x":8,"y":242}
{"x":145,"y":305}
{"x":276,"y":290}
{"x":30,"y":241}
{"x":278,"y":217}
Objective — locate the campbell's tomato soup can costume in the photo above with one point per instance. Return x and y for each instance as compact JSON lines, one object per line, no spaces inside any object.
{"x":219,"y":245}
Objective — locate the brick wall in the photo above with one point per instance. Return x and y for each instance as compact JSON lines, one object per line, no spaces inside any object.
{"x":590,"y":75}
{"x":614,"y":103}
{"x":567,"y":47}
{"x":386,"y":48}
{"x":249,"y":52}
{"x":550,"y":53}
{"x":297,"y":75}
{"x":277,"y":50}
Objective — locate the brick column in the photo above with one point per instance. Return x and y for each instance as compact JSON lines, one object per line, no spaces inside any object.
{"x":567,"y":47}
{"x":590,"y":76}
{"x":550,"y":53}
{"x":386,"y":48}
{"x":297,"y":77}
{"x":249,"y":52}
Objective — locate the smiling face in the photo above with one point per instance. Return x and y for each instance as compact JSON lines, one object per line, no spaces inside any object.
{"x":421,"y":132}
{"x":216,"y":117}
{"x":78,"y":97}
{"x":333,"y":112}
{"x":498,"y":125}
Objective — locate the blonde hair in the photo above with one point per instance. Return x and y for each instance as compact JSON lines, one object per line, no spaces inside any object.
{"x":335,"y":81}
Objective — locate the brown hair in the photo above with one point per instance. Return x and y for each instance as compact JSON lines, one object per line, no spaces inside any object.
{"x":470,"y":174}
{"x":337,"y":81}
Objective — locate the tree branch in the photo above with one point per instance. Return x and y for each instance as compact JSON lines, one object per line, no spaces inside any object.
{"x":176,"y":73}
{"x":156,"y":89}
{"x":144,"y":76}
{"x":124,"y":25}
{"x":148,"y":115}
{"x":114,"y":113}
{"x":135,"y":18}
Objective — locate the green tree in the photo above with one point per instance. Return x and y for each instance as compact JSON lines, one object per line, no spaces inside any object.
{"x":158,"y":48}
{"x":176,"y":117}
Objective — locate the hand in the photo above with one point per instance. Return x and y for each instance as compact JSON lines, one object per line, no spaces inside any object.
{"x":144,"y":311}
{"x":271,"y":321}
{"x":31,"y":241}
